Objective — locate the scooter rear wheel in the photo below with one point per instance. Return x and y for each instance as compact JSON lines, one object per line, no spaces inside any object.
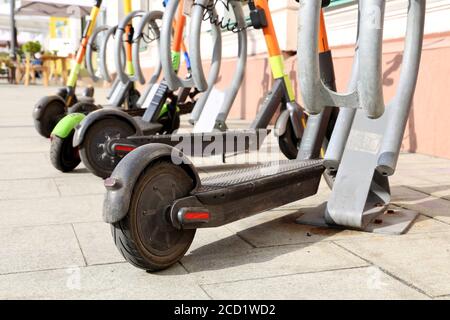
{"x":146,"y":237}
{"x":63,"y":155}
{"x":93,"y":151}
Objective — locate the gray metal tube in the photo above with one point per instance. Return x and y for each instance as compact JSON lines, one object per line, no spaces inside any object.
{"x":103,"y":48}
{"x":197,"y":67}
{"x":399,"y":108}
{"x":370,"y":84}
{"x":236,"y":82}
{"x":308,"y":65}
{"x":149,"y":18}
{"x":212,"y":77}
{"x":12,"y":17}
{"x":198,"y":74}
{"x":89,"y":52}
{"x":174,"y":82}
{"x":124,"y":78}
{"x":368,"y":94}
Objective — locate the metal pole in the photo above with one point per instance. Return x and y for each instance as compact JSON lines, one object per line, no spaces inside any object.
{"x":13,"y":30}
{"x":13,"y":43}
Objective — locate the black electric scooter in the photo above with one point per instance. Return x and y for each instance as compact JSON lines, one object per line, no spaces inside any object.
{"x":156,"y":200}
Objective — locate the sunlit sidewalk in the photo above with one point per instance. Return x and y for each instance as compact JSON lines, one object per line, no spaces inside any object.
{"x":55,"y":245}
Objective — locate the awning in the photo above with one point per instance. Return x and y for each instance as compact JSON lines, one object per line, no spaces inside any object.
{"x":55,"y":8}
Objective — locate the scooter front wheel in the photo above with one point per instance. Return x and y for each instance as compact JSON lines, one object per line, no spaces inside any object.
{"x":288,"y":142}
{"x":83,"y":107}
{"x":52,"y":110}
{"x":63,"y":155}
{"x":146,"y":237}
{"x":93,"y":151}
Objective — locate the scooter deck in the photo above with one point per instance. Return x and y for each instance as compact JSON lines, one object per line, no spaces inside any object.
{"x":254,"y":177}
{"x":197,"y":144}
{"x":231,"y":196}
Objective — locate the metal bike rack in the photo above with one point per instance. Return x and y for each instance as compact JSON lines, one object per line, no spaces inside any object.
{"x":366,"y":142}
{"x":170,"y":75}
{"x":173,"y":80}
{"x":118,"y":47}
{"x":198,"y":74}
{"x":148,"y":19}
{"x":90,"y":50}
{"x":103,"y":59}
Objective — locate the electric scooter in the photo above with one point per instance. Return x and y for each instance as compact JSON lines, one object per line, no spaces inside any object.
{"x":122,"y":96}
{"x":163,"y":175}
{"x":49,"y":110}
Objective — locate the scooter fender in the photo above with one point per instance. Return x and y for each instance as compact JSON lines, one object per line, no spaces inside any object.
{"x":121,"y":184}
{"x":281,"y":124}
{"x":98,"y":115}
{"x":67,"y":124}
{"x":292,"y":114}
{"x":40,"y":106}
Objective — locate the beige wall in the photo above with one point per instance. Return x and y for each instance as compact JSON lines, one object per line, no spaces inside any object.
{"x":429,"y":125}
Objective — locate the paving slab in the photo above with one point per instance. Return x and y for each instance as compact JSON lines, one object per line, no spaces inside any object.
{"x":97,"y":243}
{"x":278,"y":228}
{"x":115,"y":281}
{"x":83,"y":184}
{"x":21,"y":132}
{"x":24,"y":144}
{"x":49,"y":211}
{"x":38,"y":248}
{"x":16,"y":121}
{"x":434,"y":207}
{"x":438,"y":190}
{"x":218,"y":240}
{"x":422,"y":260}
{"x":268,"y":262}
{"x":358,"y":283}
{"x":28,"y":189}
{"x":29,"y":166}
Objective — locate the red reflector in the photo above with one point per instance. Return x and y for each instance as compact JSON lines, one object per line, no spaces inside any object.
{"x":124,"y":148}
{"x":196,"y":215}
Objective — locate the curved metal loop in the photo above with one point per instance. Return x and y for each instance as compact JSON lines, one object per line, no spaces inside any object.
{"x":197,"y":67}
{"x":368,"y":94}
{"x":174,"y":82}
{"x":103,"y":59}
{"x":198,"y":74}
{"x":120,"y":66}
{"x":148,"y":19}
{"x":90,"y":50}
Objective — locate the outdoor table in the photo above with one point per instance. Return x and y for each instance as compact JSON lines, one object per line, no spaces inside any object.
{"x":47,"y":60}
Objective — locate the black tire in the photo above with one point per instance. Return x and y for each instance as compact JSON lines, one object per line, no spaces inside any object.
{"x":330,"y":176}
{"x":289,"y":143}
{"x":52,"y":111}
{"x":170,"y":125}
{"x":83,"y":107}
{"x":145,"y":237}
{"x":132,"y":98}
{"x":92,"y":150}
{"x":63,"y":155}
{"x":88,"y":92}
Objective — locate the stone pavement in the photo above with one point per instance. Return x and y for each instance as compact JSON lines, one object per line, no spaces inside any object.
{"x":55,"y":246}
